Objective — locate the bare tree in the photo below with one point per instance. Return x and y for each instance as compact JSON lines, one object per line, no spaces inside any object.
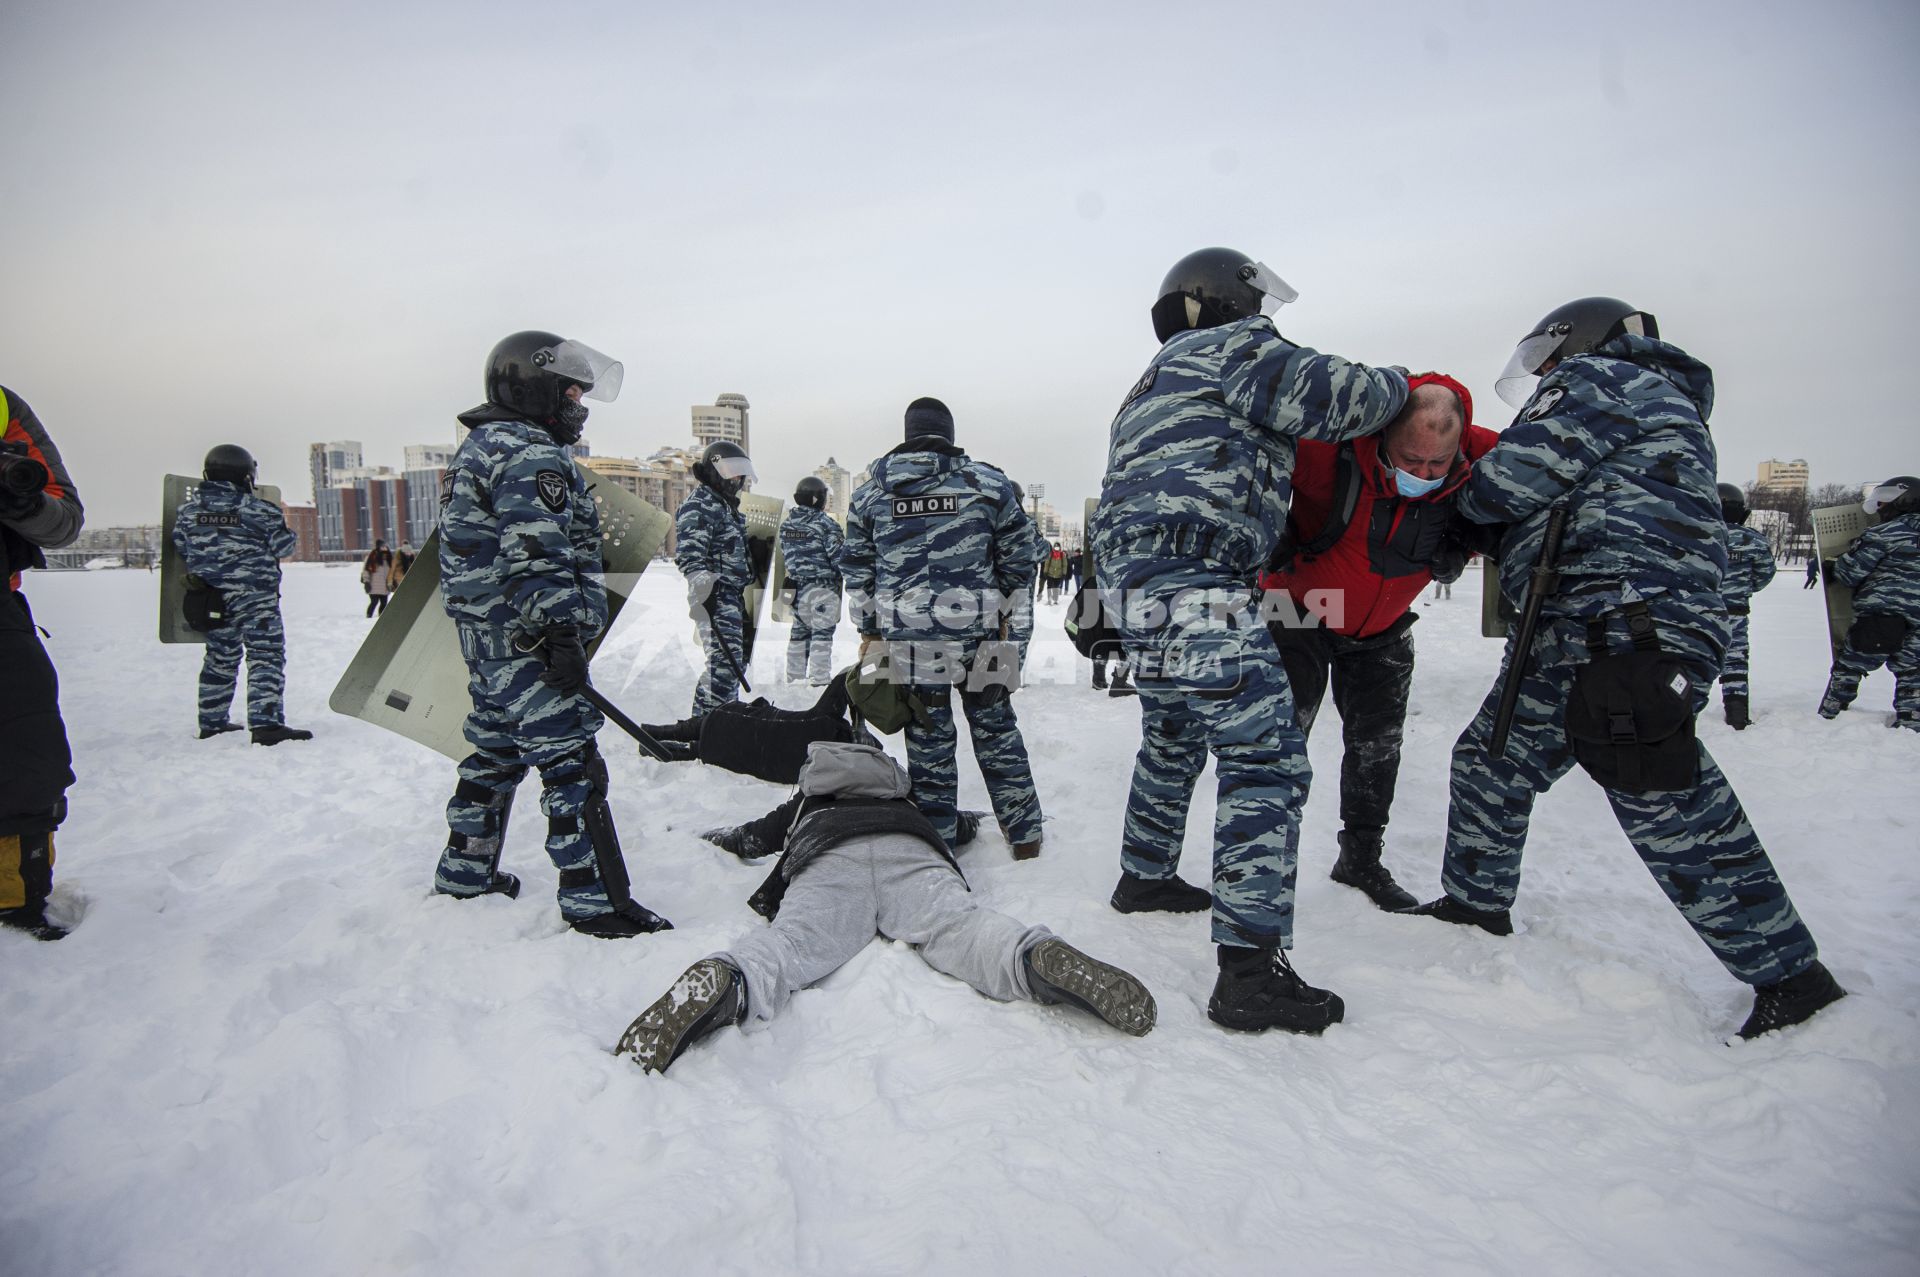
{"x":1828,"y":494}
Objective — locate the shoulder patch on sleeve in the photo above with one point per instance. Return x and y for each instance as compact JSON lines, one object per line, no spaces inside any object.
{"x":553,"y":489}
{"x":1543,"y":403}
{"x":1141,"y":386}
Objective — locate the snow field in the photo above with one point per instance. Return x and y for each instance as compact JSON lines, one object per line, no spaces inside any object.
{"x":268,"y":1048}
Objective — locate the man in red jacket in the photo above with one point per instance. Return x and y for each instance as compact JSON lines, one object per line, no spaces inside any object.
{"x":1371,"y":524}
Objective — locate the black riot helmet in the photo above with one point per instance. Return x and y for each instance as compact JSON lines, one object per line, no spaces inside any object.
{"x":811,"y":492}
{"x":232,"y":464}
{"x":724,"y":467}
{"x":528,"y":374}
{"x":1897,"y":496}
{"x":1573,"y":329}
{"x":1733,"y":505}
{"x":1216,"y":286}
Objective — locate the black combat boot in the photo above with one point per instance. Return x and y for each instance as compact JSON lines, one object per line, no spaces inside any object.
{"x":625,"y":921}
{"x":32,"y":919}
{"x":1789,"y":1001}
{"x":1099,"y":676}
{"x":1495,"y":922}
{"x":1122,"y":685}
{"x":274,"y":733}
{"x":1359,"y":867}
{"x":208,"y":733}
{"x":709,"y":994}
{"x":1058,"y":972}
{"x":1737,"y":717}
{"x":1159,"y":895}
{"x":1259,"y":989}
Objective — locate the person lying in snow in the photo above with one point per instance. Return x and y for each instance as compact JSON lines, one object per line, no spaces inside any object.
{"x":858,"y":859}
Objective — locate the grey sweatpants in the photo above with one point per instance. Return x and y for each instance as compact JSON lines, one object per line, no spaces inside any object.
{"x":893,"y":884}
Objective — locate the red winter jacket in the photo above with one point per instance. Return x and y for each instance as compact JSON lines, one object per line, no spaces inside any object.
{"x":1383,"y":560}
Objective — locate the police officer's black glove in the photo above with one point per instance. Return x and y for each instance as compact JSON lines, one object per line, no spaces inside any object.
{"x":1826,"y":570}
{"x":566,"y":656}
{"x":1479,"y":538}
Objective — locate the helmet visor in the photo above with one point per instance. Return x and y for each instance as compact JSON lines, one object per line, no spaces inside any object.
{"x":1274,"y":291}
{"x":1884,"y":494}
{"x":598,"y":375}
{"x":1518,"y":379}
{"x":734,"y":468}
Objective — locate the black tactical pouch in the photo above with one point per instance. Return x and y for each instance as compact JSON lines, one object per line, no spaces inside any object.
{"x":203,"y":606}
{"x":1877,"y":634}
{"x":1630,"y":720}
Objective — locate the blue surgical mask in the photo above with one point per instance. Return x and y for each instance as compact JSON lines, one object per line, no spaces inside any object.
{"x":1413,"y":485}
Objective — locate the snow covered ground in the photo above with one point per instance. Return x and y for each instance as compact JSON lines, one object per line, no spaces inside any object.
{"x":268,"y":1049}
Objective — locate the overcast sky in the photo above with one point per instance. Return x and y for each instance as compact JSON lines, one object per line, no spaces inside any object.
{"x":271,"y":224}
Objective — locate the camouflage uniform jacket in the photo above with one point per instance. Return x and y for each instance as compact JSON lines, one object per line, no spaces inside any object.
{"x":519,"y":539}
{"x":810,"y":544}
{"x":930,"y":523}
{"x":234,"y":541}
{"x":710,"y":535}
{"x":1200,"y":458}
{"x":1750,"y":567}
{"x":1619,"y":437}
{"x":1883,"y":568}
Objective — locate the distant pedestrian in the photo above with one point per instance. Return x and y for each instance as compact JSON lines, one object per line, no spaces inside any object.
{"x":402,"y":564}
{"x":1813,"y":572}
{"x":376,"y":577}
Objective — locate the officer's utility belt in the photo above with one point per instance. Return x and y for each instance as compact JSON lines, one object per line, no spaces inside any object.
{"x":1630,"y":715}
{"x":486,"y":642}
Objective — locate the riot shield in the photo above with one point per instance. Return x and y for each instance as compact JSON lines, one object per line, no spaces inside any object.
{"x":763,"y":549}
{"x":408,"y":675}
{"x":1835,"y":528}
{"x":175,"y":490}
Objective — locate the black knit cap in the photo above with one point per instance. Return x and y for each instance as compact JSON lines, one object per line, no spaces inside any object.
{"x":929,"y":419}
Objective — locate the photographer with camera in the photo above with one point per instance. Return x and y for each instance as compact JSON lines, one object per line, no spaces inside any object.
{"x":39,"y":510}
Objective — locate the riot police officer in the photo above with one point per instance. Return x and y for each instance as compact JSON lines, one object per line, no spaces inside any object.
{"x":521,"y":576}
{"x":1196,"y":491}
{"x":232,"y":541}
{"x":937,"y":550}
{"x":810,"y":546}
{"x":1610,"y":457}
{"x":710,"y":549}
{"x":1750,"y":567}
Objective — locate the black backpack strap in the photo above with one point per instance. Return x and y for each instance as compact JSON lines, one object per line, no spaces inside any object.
{"x":1346,"y":499}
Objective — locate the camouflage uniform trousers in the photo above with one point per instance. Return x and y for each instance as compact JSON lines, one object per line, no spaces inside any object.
{"x":997,"y":748}
{"x":1211,"y":685}
{"x":1371,"y":679}
{"x":255,"y":630}
{"x":1850,"y":665}
{"x":726,"y":646}
{"x":816,"y":613}
{"x":1697,"y":843}
{"x":518,"y":723}
{"x":1733,"y":666}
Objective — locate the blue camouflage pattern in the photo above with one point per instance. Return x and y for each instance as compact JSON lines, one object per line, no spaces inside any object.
{"x":1697,"y":844}
{"x":999,"y":750}
{"x":1201,"y":453}
{"x":234,"y":541}
{"x":810,"y":546}
{"x":710,"y":539}
{"x":936,"y":547}
{"x":1883,"y":569}
{"x":1750,"y":567}
{"x":520,"y":536}
{"x":1198,"y":481}
{"x":1618,"y":437}
{"x":936,"y":543}
{"x":520,"y":552}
